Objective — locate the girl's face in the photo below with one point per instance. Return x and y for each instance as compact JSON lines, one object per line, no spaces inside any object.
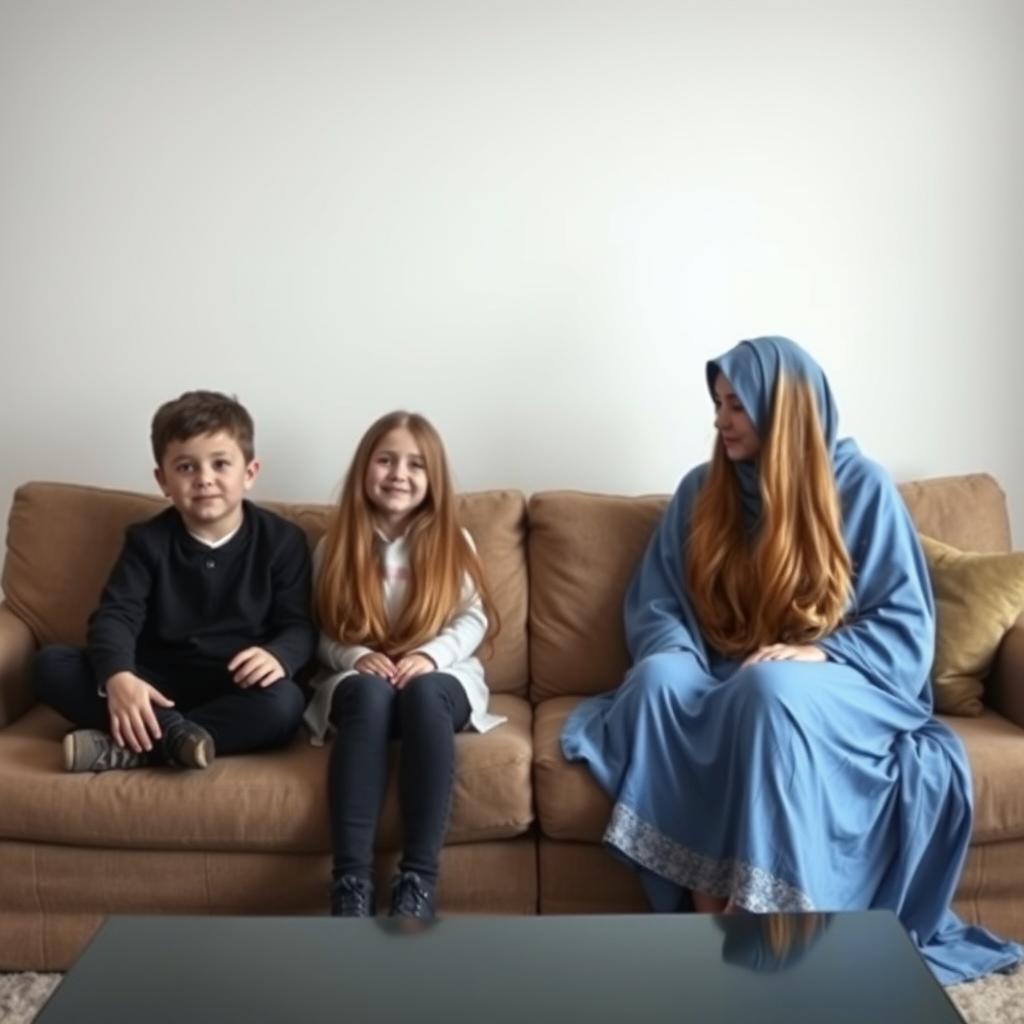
{"x":738,"y":435}
{"x":396,"y":480}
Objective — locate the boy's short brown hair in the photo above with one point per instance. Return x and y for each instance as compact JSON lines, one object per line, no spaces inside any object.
{"x":202,"y":412}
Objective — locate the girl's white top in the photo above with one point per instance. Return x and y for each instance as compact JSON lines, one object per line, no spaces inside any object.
{"x":451,"y":650}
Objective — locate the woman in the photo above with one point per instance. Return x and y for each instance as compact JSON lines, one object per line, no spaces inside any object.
{"x":773,"y":746}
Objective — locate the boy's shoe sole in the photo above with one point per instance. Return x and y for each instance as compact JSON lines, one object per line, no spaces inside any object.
{"x":189,"y":745}
{"x":92,"y":750}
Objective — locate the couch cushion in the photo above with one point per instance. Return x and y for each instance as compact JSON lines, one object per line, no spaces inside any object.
{"x":583,"y":549}
{"x":62,"y":540}
{"x":967,"y":511}
{"x":571,"y":806}
{"x":995,"y":749}
{"x":978,"y":597}
{"x":260,"y":802}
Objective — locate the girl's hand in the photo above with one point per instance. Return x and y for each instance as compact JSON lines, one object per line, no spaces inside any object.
{"x":786,"y":652}
{"x":409,"y":667}
{"x":376,"y":664}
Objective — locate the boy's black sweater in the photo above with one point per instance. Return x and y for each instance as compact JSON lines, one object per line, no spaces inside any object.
{"x":173,"y":604}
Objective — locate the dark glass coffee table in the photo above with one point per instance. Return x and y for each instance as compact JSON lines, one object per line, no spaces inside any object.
{"x":627,"y":969}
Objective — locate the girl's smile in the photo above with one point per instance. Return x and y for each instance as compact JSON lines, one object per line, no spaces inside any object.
{"x":396,"y":480}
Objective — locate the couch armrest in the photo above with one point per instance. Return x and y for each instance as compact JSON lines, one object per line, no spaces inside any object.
{"x":17,"y":645}
{"x":1005,"y":690}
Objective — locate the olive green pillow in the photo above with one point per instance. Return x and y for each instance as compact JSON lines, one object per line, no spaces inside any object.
{"x":978,"y":597}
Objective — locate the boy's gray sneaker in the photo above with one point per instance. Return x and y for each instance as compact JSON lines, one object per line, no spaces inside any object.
{"x":188,"y":745}
{"x":92,"y":750}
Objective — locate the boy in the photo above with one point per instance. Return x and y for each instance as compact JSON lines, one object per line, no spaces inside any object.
{"x":204,"y":620}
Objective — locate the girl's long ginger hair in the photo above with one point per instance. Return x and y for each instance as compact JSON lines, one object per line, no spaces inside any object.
{"x":349,"y":592}
{"x":791,"y":583}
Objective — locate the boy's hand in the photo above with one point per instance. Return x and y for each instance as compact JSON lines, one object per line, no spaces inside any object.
{"x":376,"y":664}
{"x":409,"y":667}
{"x":255,"y":667}
{"x":130,"y":703}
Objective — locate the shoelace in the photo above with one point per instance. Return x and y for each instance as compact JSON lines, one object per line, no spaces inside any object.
{"x":411,"y":899}
{"x":114,"y":756}
{"x":354,"y":896}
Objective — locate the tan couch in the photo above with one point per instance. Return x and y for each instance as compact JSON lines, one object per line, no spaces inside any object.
{"x":249,"y":835}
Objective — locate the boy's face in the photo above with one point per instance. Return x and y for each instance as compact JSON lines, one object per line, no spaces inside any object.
{"x":206,"y":478}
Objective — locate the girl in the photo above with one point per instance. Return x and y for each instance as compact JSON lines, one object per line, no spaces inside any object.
{"x":402,"y":606}
{"x":773,"y":747}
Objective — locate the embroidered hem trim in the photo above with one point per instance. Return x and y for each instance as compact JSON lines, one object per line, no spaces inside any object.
{"x":751,"y":888}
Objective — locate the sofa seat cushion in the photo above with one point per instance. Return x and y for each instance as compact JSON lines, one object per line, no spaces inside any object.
{"x":571,"y":806}
{"x":995,"y":749}
{"x":272,"y":801}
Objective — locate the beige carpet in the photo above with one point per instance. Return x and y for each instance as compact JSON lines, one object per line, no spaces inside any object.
{"x":998,"y":999}
{"x":21,"y":995}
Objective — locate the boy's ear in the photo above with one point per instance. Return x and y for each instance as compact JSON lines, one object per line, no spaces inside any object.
{"x":251,"y":472}
{"x":158,"y":475}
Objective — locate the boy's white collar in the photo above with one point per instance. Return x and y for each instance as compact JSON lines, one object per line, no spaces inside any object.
{"x":216,"y":543}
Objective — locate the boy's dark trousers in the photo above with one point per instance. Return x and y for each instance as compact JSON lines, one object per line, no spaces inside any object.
{"x":239,"y":720}
{"x":368,"y":712}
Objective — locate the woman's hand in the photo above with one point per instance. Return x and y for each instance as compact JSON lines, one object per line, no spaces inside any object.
{"x":409,"y":667}
{"x":786,"y":652}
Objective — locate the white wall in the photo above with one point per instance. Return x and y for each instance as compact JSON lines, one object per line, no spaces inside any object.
{"x":533,"y":221}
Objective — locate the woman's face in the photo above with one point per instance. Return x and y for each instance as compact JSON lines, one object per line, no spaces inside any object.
{"x":739,"y":438}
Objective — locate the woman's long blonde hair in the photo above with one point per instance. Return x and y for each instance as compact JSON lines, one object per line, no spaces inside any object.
{"x":790,"y":583}
{"x":788,"y":933}
{"x":349,"y":592}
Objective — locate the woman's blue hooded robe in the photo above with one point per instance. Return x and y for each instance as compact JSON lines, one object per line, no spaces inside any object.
{"x":792,"y":785}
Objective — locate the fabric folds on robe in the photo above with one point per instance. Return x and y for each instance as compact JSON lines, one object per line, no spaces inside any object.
{"x":792,"y":785}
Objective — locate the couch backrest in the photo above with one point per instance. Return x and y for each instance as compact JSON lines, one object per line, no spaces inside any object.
{"x":63,"y":539}
{"x":968,"y":512}
{"x":583,"y":549}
